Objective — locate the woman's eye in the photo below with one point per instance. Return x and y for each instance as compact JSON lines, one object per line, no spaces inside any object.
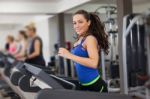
{"x":80,"y":22}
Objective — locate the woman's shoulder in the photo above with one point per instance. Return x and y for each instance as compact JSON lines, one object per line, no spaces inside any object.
{"x":37,"y":38}
{"x":90,"y":38}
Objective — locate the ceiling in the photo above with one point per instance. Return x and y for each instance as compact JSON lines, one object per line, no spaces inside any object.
{"x":15,"y":12}
{"x":38,"y":6}
{"x":141,"y":1}
{"x":114,"y":1}
{"x":31,"y":0}
{"x":20,"y":11}
{"x":138,"y":5}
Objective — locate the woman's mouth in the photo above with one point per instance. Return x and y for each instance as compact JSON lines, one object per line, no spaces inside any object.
{"x":77,"y":30}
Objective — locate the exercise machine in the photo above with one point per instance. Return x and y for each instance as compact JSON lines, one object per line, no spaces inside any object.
{"x":110,"y":64}
{"x":55,"y":90}
{"x":135,"y":46}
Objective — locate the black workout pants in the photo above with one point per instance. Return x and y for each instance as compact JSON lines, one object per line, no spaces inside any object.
{"x":99,"y":86}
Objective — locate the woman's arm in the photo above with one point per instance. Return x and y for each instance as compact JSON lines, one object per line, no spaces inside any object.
{"x":23,"y":51}
{"x":36,"y":52}
{"x":92,"y":49}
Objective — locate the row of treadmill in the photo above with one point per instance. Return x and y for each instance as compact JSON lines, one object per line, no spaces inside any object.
{"x":41,"y":82}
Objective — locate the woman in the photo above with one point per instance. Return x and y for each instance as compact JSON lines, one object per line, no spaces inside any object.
{"x":12,"y":45}
{"x":35,"y":51}
{"x":85,"y":54}
{"x":22,"y":38}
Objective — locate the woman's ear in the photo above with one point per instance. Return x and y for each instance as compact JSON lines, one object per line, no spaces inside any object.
{"x":89,"y":23}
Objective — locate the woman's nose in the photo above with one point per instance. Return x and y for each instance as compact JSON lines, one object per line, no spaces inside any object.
{"x":77,"y":26}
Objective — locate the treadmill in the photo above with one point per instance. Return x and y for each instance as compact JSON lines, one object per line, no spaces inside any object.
{"x":55,"y":90}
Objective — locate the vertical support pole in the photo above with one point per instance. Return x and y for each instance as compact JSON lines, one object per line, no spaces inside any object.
{"x":124,"y":7}
{"x":103,"y":65}
{"x":61,"y":40}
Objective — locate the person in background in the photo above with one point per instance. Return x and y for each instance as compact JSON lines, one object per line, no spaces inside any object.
{"x":85,"y":54}
{"x":6,"y":46}
{"x":22,"y":50}
{"x":35,"y":47}
{"x":12,"y":45}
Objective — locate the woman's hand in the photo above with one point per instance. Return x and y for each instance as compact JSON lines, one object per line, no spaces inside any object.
{"x":21,"y":59}
{"x":64,"y":53}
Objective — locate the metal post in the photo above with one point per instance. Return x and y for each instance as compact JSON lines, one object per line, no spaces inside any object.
{"x":124,"y":7}
{"x":72,"y":70}
{"x":103,"y":65}
{"x":61,"y":39}
{"x":148,"y":41}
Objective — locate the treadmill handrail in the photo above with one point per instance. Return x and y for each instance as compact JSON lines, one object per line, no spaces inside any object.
{"x":40,"y":74}
{"x":72,"y":84}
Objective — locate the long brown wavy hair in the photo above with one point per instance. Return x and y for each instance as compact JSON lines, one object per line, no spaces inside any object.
{"x":97,"y":29}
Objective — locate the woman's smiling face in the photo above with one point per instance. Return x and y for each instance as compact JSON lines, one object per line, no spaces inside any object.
{"x":80,"y":24}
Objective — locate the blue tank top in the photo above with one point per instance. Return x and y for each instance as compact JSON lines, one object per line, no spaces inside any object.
{"x":85,"y":74}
